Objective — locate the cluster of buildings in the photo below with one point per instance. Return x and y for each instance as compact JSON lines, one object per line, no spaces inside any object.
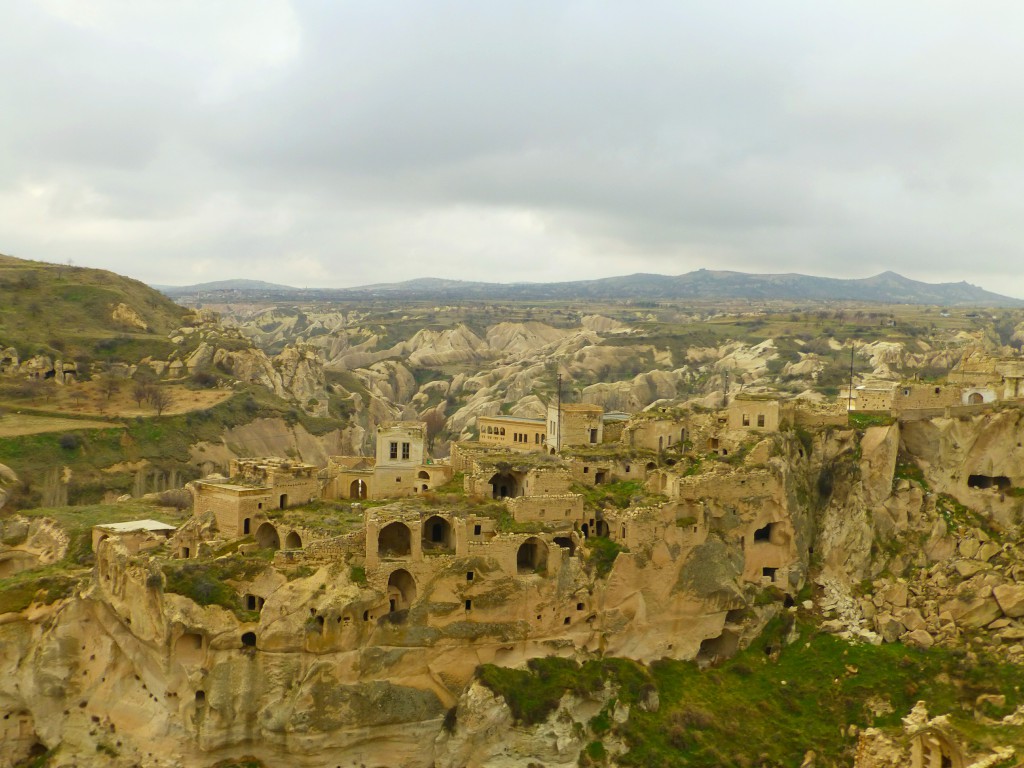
{"x":977,"y":380}
{"x":524,"y":483}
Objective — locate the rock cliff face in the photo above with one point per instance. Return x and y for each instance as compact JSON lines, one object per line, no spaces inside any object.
{"x":320,"y":671}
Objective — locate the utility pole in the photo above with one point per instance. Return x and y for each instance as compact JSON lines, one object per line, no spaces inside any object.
{"x":849,"y":401}
{"x":558,"y":415}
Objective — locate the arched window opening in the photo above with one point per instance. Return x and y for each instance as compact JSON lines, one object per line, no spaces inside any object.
{"x":532,"y":556}
{"x":394,"y":540}
{"x":401,"y":590}
{"x":437,"y":535}
{"x":267,"y":537}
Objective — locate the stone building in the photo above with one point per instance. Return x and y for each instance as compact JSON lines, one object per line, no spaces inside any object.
{"x":655,"y":431}
{"x":874,"y":396}
{"x":574,"y":424}
{"x":513,"y":432}
{"x":399,"y":469}
{"x":759,"y":411}
{"x":925,"y":395}
{"x":256,"y":486}
{"x":136,"y":535}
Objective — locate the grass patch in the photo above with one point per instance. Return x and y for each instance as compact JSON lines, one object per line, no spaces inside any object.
{"x":907,"y":469}
{"x":50,"y":583}
{"x":759,"y":710}
{"x":454,"y":486}
{"x":603,"y":552}
{"x":206,"y":583}
{"x":533,"y":693}
{"x":620,"y":494}
{"x":862,"y":420}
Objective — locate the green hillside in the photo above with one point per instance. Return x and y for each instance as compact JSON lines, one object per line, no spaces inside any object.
{"x":68,"y":311}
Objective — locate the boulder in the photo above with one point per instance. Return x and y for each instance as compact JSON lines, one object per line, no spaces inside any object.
{"x":1011,"y":599}
{"x":919,"y":638}
{"x":889,"y":627}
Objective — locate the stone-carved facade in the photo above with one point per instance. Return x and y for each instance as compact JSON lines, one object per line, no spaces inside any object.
{"x":401,"y":467}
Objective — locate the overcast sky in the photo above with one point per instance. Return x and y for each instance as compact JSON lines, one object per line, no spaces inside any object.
{"x":343,"y":143}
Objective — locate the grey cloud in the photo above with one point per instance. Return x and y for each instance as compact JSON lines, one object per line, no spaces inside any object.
{"x":519,"y":141}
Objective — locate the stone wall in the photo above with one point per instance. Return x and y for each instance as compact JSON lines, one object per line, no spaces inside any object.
{"x":554,"y":509}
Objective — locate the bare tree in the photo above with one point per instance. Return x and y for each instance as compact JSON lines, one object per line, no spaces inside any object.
{"x":435,"y":420}
{"x":160,"y":399}
{"x":110,"y":386}
{"x":141,"y":391}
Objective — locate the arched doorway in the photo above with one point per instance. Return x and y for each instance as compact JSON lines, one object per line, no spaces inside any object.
{"x":437,"y":534}
{"x":283,"y":501}
{"x":293,"y":541}
{"x":532,"y":556}
{"x":394,"y":540}
{"x":401,"y":590}
{"x":267,"y":537}
{"x":505,"y":485}
{"x":357,"y":490}
{"x":975,"y":398}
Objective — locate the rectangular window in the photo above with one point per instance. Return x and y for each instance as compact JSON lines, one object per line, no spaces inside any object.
{"x":476,"y":530}
{"x":746,"y":419}
{"x":760,"y":419}
{"x":394,"y":450}
{"x":593,"y":435}
{"x":405,"y":450}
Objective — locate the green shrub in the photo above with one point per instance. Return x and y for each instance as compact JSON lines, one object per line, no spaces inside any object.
{"x":603,"y":552}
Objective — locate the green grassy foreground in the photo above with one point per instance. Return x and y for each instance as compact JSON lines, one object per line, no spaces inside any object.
{"x":765,"y":707}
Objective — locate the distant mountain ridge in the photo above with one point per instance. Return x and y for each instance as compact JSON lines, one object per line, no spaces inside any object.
{"x":223,"y":285}
{"x":886,"y":288}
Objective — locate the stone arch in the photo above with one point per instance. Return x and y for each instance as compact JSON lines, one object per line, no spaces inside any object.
{"x":293,"y":541}
{"x":401,"y":590}
{"x":423,"y":475}
{"x":505,"y":484}
{"x":651,"y":466}
{"x":248,"y":639}
{"x":975,"y":398}
{"x":532,"y":556}
{"x":930,"y":747}
{"x":394,"y":540}
{"x":358,"y":489}
{"x":100,"y":540}
{"x":267,"y":537}
{"x":437,"y":534}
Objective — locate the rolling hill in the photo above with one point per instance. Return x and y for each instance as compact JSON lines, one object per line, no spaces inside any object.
{"x":703,"y":284}
{"x":70,"y":311}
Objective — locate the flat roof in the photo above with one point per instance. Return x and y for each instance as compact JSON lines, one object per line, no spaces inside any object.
{"x":527,"y":419}
{"x":137,"y":525}
{"x":233,"y":486}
